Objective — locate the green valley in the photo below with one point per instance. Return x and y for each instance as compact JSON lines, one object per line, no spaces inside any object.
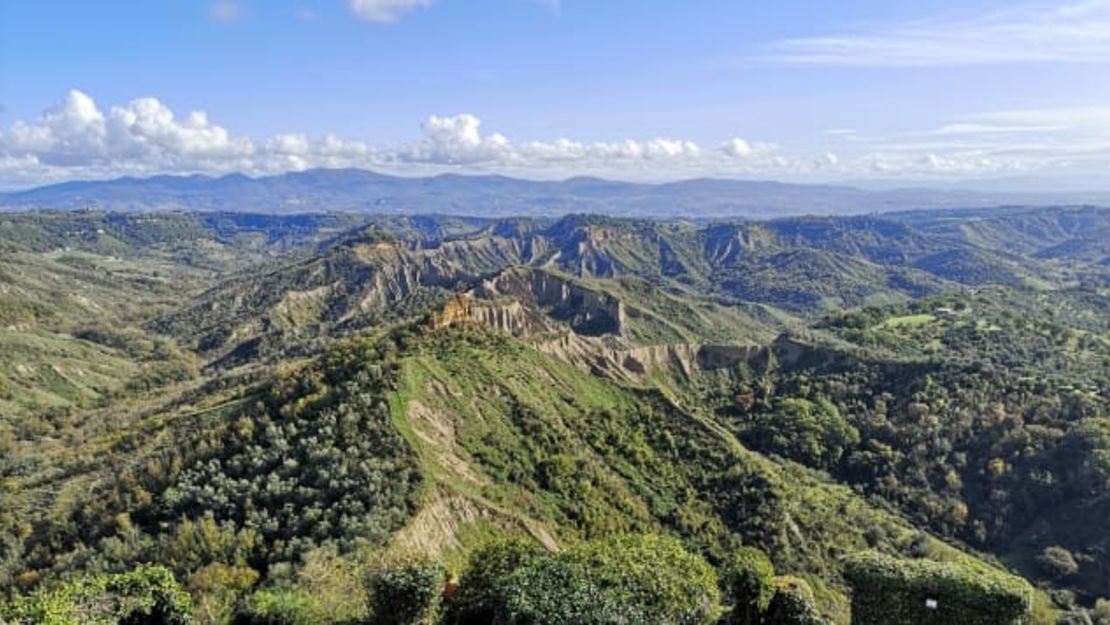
{"x":351,"y":418}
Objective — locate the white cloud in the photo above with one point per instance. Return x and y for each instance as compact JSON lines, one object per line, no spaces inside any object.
{"x":737,"y":147}
{"x":1077,"y":32}
{"x":79,"y":139}
{"x":384,"y":10}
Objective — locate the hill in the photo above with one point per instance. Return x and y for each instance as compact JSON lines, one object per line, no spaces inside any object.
{"x":277,"y":400}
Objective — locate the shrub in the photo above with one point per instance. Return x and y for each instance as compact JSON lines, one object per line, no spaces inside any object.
{"x":336,"y":584}
{"x":888,"y":591}
{"x":148,"y":594}
{"x":279,"y":606}
{"x":646,"y":580}
{"x":792,"y":604}
{"x":217,"y":589}
{"x":476,"y":600}
{"x":920,"y":546}
{"x":1100,"y":614}
{"x":407,"y":594}
{"x":1057,"y":562}
{"x":749,"y":582}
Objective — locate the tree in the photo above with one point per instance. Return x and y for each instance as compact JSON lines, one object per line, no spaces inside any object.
{"x":648,"y":580}
{"x":1057,"y":562}
{"x":749,"y":582}
{"x":1088,"y":442}
{"x":792,"y":604}
{"x":217,"y":588}
{"x":279,"y":606}
{"x":148,"y":594}
{"x":476,"y":600}
{"x":408,"y":593}
{"x":810,"y":432}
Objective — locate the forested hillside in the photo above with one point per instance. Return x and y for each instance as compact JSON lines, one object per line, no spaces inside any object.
{"x":222,"y":418}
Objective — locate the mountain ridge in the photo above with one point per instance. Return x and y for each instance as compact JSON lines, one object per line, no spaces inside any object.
{"x":359,"y":190}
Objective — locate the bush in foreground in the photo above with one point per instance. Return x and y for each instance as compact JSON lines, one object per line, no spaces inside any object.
{"x":647,"y":580}
{"x":749,"y":581}
{"x":889,"y":591}
{"x":148,"y":594}
{"x":407,"y":594}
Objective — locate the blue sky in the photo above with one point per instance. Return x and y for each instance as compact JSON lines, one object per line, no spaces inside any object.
{"x":641,"y":89}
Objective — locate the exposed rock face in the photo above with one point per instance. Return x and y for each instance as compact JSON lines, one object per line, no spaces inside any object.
{"x":511,"y":317}
{"x":586,"y":311}
{"x":345,"y":283}
{"x":616,"y":358}
{"x":592,"y":333}
{"x":455,"y":310}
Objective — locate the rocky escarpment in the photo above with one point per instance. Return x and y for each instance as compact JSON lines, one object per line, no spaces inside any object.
{"x":579,"y":325}
{"x":348,"y":284}
{"x":615,"y":358}
{"x":586,"y":311}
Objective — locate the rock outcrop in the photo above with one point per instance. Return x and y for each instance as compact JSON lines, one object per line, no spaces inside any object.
{"x":586,"y":311}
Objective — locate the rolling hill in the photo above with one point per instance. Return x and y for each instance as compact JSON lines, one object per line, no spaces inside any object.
{"x":252,"y":396}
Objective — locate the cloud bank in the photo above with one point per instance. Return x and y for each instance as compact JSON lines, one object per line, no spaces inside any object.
{"x":78,"y":139}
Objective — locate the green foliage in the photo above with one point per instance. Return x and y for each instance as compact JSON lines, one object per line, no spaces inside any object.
{"x":281,"y":447}
{"x":477,"y":598}
{"x":337,"y":585}
{"x":1057,"y":562}
{"x":749,"y":582}
{"x":986,"y":423}
{"x":812,"y":433}
{"x":408,"y":593}
{"x":793,"y":604}
{"x":887,"y":591}
{"x":1089,"y":440}
{"x":627,"y":579}
{"x":280,"y":606}
{"x":320,"y":462}
{"x":195,"y":543}
{"x":148,"y":594}
{"x":217,"y":590}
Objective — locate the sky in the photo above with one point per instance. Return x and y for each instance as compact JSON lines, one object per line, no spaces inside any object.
{"x":931,"y":91}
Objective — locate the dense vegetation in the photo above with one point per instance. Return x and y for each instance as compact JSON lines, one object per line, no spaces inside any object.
{"x":886,"y":590}
{"x":983,"y":415}
{"x":336,"y":419}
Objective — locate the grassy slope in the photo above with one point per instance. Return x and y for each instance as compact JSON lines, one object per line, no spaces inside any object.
{"x":49,"y":297}
{"x":540,"y":445}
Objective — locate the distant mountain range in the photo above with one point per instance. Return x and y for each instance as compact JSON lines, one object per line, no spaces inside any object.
{"x":354,"y":190}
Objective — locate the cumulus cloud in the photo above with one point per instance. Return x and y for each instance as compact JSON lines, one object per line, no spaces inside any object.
{"x":1076,"y":32}
{"x":385,"y":10}
{"x":78,"y":134}
{"x":79,"y":139}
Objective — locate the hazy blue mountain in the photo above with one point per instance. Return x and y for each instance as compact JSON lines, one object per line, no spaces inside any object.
{"x":321,"y":190}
